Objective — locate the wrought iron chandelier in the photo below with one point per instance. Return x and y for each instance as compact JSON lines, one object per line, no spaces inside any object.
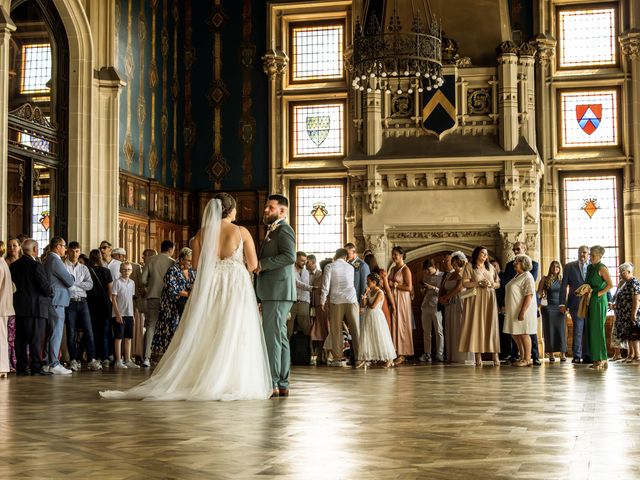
{"x":388,"y":57}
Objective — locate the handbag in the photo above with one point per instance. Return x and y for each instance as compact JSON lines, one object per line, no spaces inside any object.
{"x":468,"y":293}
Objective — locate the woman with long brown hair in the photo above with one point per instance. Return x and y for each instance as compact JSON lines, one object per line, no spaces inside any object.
{"x":401,"y":285}
{"x":554,"y":323}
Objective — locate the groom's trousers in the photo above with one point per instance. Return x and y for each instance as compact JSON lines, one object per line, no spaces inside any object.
{"x":274,"y":324}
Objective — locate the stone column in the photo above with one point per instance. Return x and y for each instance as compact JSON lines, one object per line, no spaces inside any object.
{"x":6,"y":27}
{"x":508,"y":95}
{"x":549,"y":224}
{"x":630,"y":42}
{"x":527,"y":92}
{"x":275,"y":64}
{"x":373,"y":112}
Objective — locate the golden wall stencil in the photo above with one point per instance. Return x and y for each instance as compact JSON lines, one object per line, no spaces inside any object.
{"x":142,"y":113}
{"x":189,"y":131}
{"x":117,"y":19}
{"x":129,"y":65}
{"x":164,"y":119}
{"x":153,"y":83}
{"x":247,"y":122}
{"x":218,"y":167}
{"x":175,"y":89}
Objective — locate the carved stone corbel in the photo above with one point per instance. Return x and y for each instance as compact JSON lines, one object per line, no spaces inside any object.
{"x":546,"y":47}
{"x":630,"y":43}
{"x":510,"y":186}
{"x":275,"y":62}
{"x":373,"y":189}
{"x":508,"y":240}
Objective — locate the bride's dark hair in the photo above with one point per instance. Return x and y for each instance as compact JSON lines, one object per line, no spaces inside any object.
{"x":227,"y":203}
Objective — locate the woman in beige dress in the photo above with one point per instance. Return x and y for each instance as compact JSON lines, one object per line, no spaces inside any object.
{"x":480,"y":332}
{"x":401,"y":285}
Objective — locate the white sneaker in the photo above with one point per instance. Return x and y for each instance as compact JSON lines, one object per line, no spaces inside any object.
{"x":106,"y":363}
{"x":60,"y":370}
{"x":75,"y":366}
{"x":44,"y":368}
{"x":94,"y":365}
{"x":313,"y":361}
{"x":119,"y":364}
{"x":146,"y":363}
{"x":131,"y":364}
{"x":424,"y":358}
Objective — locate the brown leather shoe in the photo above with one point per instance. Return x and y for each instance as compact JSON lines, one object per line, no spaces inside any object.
{"x":275,"y":393}
{"x":283,"y":392}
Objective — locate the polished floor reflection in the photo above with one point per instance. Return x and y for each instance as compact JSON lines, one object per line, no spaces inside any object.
{"x":413,"y":422}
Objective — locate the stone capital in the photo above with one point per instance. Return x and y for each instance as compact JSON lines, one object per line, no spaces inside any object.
{"x":630,"y":43}
{"x":546,"y":48}
{"x":275,"y":63}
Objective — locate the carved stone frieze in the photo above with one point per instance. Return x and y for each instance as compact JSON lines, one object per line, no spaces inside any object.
{"x":508,"y":240}
{"x":440,"y":235}
{"x":510,"y":190}
{"x":531,"y":240}
{"x":374,"y":200}
{"x":529,"y":219}
{"x":479,"y":101}
{"x":546,"y":48}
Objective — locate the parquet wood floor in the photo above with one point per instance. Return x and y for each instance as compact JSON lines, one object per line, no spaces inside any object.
{"x":413,"y":422}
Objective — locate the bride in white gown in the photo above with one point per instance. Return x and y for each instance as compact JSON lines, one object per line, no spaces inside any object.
{"x":218,"y":351}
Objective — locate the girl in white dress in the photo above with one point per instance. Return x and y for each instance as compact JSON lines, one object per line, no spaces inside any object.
{"x":218,"y":351}
{"x":376,"y":344}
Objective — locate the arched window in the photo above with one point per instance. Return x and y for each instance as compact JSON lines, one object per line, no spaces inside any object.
{"x":38,"y":100}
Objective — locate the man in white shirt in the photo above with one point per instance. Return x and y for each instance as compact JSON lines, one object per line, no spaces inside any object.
{"x":299,"y":314}
{"x":338,"y":285}
{"x":108,"y":260}
{"x":77,"y":313}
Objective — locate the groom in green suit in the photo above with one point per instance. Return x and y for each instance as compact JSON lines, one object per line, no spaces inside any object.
{"x":276,"y":289}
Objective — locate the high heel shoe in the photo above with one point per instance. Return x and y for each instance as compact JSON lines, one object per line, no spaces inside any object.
{"x":361,"y":364}
{"x":400,"y":360}
{"x":388,"y":364}
{"x":478,"y":360}
{"x":496,"y":360}
{"x":3,"y":375}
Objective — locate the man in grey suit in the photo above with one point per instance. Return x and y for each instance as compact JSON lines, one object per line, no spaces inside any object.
{"x":574,"y":275}
{"x":153,"y":274}
{"x":61,"y":280}
{"x":276,"y":289}
{"x":361,"y":269}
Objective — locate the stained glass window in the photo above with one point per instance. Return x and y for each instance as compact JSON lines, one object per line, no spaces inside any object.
{"x":34,"y":142}
{"x":317,"y":52}
{"x":318,"y":130}
{"x":589,"y":118}
{"x":40,"y":220}
{"x":36,"y":68}
{"x":591,"y":218}
{"x":319,"y":221}
{"x":587,"y":36}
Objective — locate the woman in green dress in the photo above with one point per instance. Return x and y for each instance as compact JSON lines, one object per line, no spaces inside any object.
{"x":600,"y":282}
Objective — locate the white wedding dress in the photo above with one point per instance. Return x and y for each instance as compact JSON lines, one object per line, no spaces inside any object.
{"x":218,"y":351}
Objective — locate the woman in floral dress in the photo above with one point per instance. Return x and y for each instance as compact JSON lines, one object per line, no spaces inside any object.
{"x":177,"y":286}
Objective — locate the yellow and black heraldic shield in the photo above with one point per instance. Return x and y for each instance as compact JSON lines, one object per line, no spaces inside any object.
{"x":439,"y":108}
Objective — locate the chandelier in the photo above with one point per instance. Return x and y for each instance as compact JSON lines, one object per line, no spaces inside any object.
{"x":387,"y":57}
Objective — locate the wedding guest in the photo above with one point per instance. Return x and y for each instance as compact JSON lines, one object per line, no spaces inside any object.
{"x":520,"y":248}
{"x":599,"y":280}
{"x":574,"y":277}
{"x":521,"y":316}
{"x":31,"y":302}
{"x":113,"y":264}
{"x":319,"y":318}
{"x":360,"y":267}
{"x":627,"y":308}
{"x":6,"y":311}
{"x":554,"y":324}
{"x":505,"y":339}
{"x":137,"y":342}
{"x":431,"y":316}
{"x":61,"y":281}
{"x":449,"y":296}
{"x":14,"y":252}
{"x":178,"y":282}
{"x":338,"y":288}
{"x":99,"y":302}
{"x":77,"y":313}
{"x":617,"y":342}
{"x":155,"y":268}
{"x":299,"y":315}
{"x":401,"y":287}
{"x":480,"y":327}
{"x":122,"y":293}
{"x":388,"y":306}
{"x":376,"y":344}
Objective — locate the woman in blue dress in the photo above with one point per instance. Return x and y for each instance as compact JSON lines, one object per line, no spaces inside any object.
{"x":554,"y":323}
{"x":178,"y":282}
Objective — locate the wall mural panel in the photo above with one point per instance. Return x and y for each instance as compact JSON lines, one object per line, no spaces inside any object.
{"x":150,"y":33}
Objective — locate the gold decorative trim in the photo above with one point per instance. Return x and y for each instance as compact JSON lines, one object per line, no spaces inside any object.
{"x":175,"y":88}
{"x":129,"y":66}
{"x":142,"y":109}
{"x":153,"y":83}
{"x":164,"y":119}
{"x":189,"y":129}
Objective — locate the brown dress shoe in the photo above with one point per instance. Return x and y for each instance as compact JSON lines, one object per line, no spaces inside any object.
{"x":283,"y":392}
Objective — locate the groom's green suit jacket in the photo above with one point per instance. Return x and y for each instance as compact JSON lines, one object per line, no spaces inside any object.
{"x":277,"y":255}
